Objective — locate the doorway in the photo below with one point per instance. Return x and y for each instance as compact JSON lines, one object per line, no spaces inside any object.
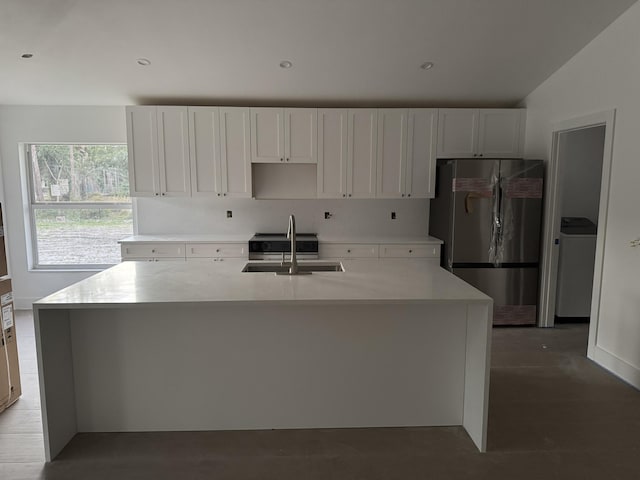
{"x":580,"y":154}
{"x":576,"y":143}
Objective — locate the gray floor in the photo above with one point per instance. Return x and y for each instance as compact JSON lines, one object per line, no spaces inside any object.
{"x":553,"y":415}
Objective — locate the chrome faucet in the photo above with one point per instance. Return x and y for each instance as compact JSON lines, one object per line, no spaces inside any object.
{"x":291,"y":234}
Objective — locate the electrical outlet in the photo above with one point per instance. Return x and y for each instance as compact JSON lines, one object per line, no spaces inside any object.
{"x":327,"y":215}
{"x":393,"y":215}
{"x":229,"y":214}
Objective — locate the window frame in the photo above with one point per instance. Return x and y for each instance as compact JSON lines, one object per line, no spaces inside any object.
{"x":48,"y":205}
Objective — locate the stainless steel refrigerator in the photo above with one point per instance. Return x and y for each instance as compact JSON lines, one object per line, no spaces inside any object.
{"x":488,"y":213}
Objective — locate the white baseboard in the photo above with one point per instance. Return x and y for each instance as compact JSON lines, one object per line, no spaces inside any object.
{"x":627,"y":372}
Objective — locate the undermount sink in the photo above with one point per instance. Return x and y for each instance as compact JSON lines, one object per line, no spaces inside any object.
{"x":303,"y":267}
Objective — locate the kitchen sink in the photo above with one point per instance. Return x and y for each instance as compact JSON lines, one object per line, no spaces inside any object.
{"x":303,"y":267}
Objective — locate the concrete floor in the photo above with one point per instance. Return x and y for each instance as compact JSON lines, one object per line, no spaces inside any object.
{"x":553,"y":415}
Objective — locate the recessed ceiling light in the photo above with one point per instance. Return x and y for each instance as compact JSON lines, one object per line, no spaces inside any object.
{"x":143,"y":61}
{"x":27,"y":55}
{"x":286,"y":64}
{"x":427,"y":66}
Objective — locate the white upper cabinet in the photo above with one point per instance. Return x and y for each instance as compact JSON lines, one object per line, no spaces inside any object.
{"x":173,"y":151}
{"x":142,"y":146}
{"x":284,"y":135}
{"x":267,"y":135}
{"x":204,"y":133}
{"x":480,"y":133}
{"x":392,"y":152}
{"x":501,"y":133}
{"x":332,"y":153}
{"x":300,"y":135}
{"x":421,"y":153}
{"x":457,"y":132}
{"x":235,"y":151}
{"x":220,"y":151}
{"x":362,"y":152}
{"x":158,"y":144}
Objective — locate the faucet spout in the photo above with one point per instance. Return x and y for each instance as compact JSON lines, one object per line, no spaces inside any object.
{"x":291,"y":234}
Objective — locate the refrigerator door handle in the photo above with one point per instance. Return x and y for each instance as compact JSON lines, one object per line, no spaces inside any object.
{"x":496,"y":227}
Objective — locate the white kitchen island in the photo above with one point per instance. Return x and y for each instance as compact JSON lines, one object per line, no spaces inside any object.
{"x":154,"y":346}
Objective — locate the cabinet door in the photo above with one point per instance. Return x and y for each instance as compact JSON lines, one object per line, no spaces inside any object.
{"x":361,"y":153}
{"x":421,"y":153}
{"x":267,"y":135}
{"x":173,"y":151}
{"x":392,"y":152}
{"x":142,"y":146}
{"x":300,"y":135}
{"x":500,"y":133}
{"x":457,"y":132}
{"x":332,"y":153}
{"x":235,"y":151}
{"x":204,"y":147}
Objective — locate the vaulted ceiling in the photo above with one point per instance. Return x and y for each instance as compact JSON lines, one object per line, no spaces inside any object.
{"x":347,"y":52}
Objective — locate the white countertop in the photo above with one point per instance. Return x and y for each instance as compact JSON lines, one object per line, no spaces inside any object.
{"x":188,"y":238}
{"x":419,"y":240}
{"x":363,"y":281}
{"x":243,"y":238}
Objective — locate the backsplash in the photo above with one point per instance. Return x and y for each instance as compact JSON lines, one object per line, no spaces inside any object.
{"x":348,"y":217}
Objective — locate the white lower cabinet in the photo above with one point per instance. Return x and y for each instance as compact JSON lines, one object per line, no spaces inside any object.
{"x":151,"y":259}
{"x":347,"y":250}
{"x":216,"y":250}
{"x":408,"y":251}
{"x":147,"y":251}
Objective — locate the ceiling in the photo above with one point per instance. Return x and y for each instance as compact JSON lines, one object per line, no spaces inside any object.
{"x":344,"y":52}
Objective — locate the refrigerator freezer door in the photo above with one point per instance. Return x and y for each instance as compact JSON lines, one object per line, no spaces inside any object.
{"x":520,"y":205}
{"x":514,"y":292}
{"x":473,"y":188}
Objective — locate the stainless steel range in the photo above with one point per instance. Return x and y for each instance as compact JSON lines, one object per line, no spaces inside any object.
{"x":271,"y":246}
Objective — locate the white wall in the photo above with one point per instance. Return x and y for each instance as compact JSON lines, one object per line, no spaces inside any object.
{"x":24,"y":124}
{"x":603,"y":76}
{"x":362,"y":218}
{"x":581,"y":156}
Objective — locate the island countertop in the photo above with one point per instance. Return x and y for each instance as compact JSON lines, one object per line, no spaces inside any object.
{"x":363,"y":281}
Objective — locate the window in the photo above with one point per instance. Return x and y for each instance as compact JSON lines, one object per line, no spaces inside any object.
{"x":80,"y":205}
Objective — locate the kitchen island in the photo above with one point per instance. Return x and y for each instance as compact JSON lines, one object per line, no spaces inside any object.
{"x":153,"y":346}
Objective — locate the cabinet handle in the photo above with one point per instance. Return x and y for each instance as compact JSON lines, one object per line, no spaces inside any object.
{"x":410,"y":251}
{"x":403,"y":194}
{"x":344,"y":194}
{"x":348,"y":250}
{"x":163,"y":194}
{"x":156,"y":194}
{"x":282,"y":159}
{"x":475,"y":155}
{"x":217,"y":250}
{"x":408,"y":195}
{"x":287,"y":159}
{"x":349,"y":194}
{"x":218,"y":194}
{"x":480,"y":155}
{"x":224,"y":194}
{"x":153,"y":250}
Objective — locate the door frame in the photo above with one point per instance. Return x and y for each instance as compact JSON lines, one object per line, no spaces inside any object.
{"x":550,"y":250}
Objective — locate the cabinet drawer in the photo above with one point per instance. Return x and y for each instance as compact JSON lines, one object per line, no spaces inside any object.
{"x":346,"y":250}
{"x":151,"y":259}
{"x":153,"y":250}
{"x":216,"y":250}
{"x":406,"y":251}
